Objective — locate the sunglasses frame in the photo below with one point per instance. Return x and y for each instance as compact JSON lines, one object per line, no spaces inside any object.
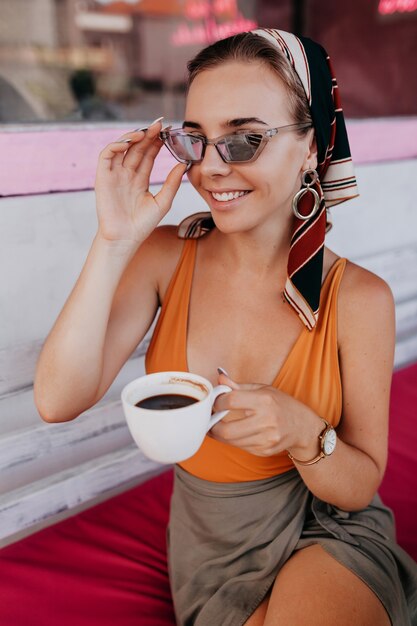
{"x":266,"y":135}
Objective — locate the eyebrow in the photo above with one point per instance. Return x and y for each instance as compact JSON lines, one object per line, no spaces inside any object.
{"x":238,"y":121}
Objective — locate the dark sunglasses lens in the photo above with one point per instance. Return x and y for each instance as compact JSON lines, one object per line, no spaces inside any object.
{"x":185,"y":147}
{"x":240,"y":147}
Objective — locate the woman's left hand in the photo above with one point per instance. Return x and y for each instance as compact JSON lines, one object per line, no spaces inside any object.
{"x":262,"y":419}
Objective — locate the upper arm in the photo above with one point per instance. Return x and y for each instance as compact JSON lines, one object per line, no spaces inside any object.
{"x":136,"y":301}
{"x":366,"y":335}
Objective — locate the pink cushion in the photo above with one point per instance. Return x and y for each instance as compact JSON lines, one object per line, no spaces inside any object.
{"x":399,"y":487}
{"x":107,"y":566}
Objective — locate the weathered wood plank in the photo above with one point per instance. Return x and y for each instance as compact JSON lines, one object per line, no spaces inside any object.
{"x":406,"y":314}
{"x":383,"y":217}
{"x":406,"y":352}
{"x":398,"y":267}
{"x":17,"y":364}
{"x":38,"y":501}
{"x":42,"y":450}
{"x":18,"y":411}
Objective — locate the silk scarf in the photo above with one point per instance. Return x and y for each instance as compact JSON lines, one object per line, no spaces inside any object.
{"x":336,"y":182}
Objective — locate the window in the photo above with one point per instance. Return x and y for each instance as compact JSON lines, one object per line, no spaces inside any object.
{"x":105,"y":60}
{"x":78,"y":60}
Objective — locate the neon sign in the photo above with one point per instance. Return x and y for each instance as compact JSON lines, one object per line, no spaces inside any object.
{"x":210,"y":31}
{"x":207,"y":29}
{"x":388,"y":7}
{"x":200,"y":9}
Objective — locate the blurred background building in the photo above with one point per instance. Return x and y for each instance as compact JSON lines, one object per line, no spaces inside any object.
{"x":73,"y":60}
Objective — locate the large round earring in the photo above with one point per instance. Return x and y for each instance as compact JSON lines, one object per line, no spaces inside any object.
{"x":308,"y":186}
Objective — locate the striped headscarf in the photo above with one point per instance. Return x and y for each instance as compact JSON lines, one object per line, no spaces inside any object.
{"x":336,"y":183}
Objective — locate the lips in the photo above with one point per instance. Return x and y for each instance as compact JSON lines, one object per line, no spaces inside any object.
{"x":227,"y":196}
{"x":227,"y":199}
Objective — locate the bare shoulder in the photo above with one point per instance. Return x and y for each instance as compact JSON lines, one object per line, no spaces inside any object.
{"x":164,"y":240}
{"x":365,"y":304}
{"x":164,"y":251}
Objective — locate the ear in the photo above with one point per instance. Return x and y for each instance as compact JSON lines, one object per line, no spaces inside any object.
{"x":310,"y":161}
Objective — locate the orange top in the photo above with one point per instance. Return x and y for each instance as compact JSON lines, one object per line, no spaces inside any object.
{"x":310,"y":373}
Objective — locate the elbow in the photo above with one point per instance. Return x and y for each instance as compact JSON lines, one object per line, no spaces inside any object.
{"x":54,"y":414}
{"x":43,"y":410}
{"x":54,"y":417}
{"x":49,"y":415}
{"x":49,"y":412}
{"x":357,"y":500}
{"x":53,"y":404}
{"x":359,"y":503}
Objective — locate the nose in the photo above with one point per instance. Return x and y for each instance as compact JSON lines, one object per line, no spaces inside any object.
{"x":212,"y":163}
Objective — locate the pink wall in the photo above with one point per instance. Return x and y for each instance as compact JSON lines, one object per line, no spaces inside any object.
{"x":44,"y":161}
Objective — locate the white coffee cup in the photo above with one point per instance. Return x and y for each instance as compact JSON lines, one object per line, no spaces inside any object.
{"x":173,"y":435}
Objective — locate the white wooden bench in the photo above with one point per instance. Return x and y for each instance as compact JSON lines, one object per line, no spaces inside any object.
{"x":50,"y":471}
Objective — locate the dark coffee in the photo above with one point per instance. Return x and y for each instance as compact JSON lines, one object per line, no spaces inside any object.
{"x":166,"y":402}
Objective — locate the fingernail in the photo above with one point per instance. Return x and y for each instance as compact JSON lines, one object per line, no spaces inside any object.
{"x":123,"y":141}
{"x":222,"y":371}
{"x":158,"y":119}
{"x":188,"y":166}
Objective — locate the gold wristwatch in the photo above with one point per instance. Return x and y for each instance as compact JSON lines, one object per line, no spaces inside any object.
{"x":327,"y":439}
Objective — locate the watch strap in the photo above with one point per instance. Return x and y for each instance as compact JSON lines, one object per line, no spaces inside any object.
{"x":321,"y":454}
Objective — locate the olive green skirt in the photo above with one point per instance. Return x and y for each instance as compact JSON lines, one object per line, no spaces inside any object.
{"x":228,"y":541}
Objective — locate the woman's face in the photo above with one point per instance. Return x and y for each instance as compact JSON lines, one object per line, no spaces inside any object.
{"x":246,"y":96}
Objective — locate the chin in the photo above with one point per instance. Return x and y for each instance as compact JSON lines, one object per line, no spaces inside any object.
{"x":229,"y":224}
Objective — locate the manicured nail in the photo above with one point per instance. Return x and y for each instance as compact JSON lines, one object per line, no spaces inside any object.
{"x":123,"y":141}
{"x":158,"y":119}
{"x":144,"y":128}
{"x":222,"y":371}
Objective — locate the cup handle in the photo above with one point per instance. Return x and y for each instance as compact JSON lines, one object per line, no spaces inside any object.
{"x":216,"y":417}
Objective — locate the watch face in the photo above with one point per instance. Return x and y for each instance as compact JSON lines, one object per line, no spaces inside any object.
{"x":329,"y":441}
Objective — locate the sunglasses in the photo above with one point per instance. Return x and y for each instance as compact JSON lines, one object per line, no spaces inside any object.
{"x":242,"y":146}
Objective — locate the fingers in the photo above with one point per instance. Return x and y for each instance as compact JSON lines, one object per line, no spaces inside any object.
{"x":147,"y":163}
{"x":238,"y":432}
{"x":113,"y":153}
{"x":224,"y":379}
{"x":242,"y":399}
{"x":140,"y":148}
{"x":165,"y":196}
{"x":120,"y":152}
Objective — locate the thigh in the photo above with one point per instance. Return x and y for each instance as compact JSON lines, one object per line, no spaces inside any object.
{"x":314,"y":589}
{"x":258,"y":616}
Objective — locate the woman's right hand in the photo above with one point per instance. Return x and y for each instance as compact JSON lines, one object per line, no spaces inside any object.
{"x":126,"y":209}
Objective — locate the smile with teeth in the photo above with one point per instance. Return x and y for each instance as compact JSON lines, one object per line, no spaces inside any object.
{"x":226,"y":196}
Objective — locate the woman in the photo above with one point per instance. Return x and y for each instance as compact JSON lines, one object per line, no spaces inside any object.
{"x":271,"y":521}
